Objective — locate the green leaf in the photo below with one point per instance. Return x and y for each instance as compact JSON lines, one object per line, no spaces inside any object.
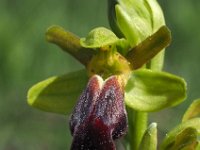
{"x":58,"y":94}
{"x":99,"y":37}
{"x":149,"y":140}
{"x":193,"y":111}
{"x":148,"y":90}
{"x":185,"y":133}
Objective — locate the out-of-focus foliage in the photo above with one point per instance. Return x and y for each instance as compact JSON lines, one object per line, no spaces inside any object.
{"x":26,"y":58}
{"x":182,"y":56}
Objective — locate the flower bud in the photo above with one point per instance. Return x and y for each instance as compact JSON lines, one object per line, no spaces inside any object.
{"x":135,"y":19}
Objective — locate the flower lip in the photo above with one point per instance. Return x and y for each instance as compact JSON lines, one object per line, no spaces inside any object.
{"x":99,"y":116}
{"x":86,"y":102}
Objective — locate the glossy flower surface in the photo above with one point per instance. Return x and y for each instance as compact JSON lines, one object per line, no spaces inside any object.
{"x":99,"y":116}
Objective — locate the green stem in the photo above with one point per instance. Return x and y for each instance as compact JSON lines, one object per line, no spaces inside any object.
{"x":138,"y":121}
{"x":141,"y":119}
{"x":130,"y":135}
{"x":137,"y":127}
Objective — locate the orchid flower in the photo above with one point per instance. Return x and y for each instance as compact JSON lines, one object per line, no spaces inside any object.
{"x":121,"y":79}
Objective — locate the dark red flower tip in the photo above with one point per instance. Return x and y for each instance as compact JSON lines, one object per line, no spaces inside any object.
{"x":93,"y":135}
{"x":99,"y":116}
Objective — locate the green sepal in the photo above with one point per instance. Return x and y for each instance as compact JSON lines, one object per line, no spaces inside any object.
{"x":185,"y":133}
{"x":99,"y":37}
{"x":193,"y":111}
{"x":58,"y":94}
{"x":148,"y":90}
{"x":149,"y":140}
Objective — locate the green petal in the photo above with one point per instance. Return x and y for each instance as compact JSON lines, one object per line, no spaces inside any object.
{"x":148,"y":48}
{"x":99,"y":37}
{"x":149,"y":90}
{"x":149,"y":140}
{"x":193,"y":111}
{"x":58,"y":94}
{"x":184,"y":134}
{"x":70,"y":43}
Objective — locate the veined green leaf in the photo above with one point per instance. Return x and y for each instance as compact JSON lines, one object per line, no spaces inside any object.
{"x":58,"y":94}
{"x":185,"y":133}
{"x":148,"y":90}
{"x":149,"y":140}
{"x":192,"y":111}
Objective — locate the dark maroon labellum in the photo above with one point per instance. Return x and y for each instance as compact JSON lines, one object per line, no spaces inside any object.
{"x":99,"y":116}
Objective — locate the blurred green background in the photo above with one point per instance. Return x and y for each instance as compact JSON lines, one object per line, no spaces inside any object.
{"x":26,"y":58}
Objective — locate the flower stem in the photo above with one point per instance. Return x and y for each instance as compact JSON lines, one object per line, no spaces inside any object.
{"x":141,"y":119}
{"x":137,"y":127}
{"x":138,"y":120}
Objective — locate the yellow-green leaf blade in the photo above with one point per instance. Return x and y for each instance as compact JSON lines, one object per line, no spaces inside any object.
{"x":149,"y":90}
{"x":58,"y":94}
